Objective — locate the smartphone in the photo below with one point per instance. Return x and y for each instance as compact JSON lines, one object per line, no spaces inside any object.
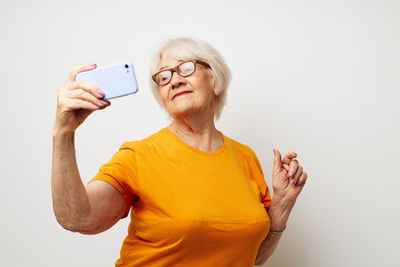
{"x":115,"y":80}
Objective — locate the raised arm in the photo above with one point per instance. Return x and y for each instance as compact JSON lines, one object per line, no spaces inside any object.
{"x":288,"y":180}
{"x":98,"y":206}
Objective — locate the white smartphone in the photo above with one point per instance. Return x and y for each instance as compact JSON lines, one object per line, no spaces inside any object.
{"x":115,"y":80}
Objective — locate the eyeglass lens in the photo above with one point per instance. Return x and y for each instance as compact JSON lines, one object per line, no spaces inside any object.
{"x":184,"y":69}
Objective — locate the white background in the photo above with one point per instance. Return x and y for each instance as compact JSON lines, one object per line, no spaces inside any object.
{"x":320,"y":78}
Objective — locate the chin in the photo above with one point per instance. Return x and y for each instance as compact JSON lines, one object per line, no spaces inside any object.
{"x":183,"y":110}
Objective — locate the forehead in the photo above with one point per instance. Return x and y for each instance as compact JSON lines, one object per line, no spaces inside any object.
{"x":169,"y":61}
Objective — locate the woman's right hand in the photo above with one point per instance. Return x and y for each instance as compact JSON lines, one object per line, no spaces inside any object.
{"x":76,"y":100}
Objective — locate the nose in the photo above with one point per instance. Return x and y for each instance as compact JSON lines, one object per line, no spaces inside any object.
{"x":177,"y":80}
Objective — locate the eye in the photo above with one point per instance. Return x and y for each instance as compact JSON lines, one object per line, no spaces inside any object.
{"x":164,"y":76}
{"x":186,"y":68}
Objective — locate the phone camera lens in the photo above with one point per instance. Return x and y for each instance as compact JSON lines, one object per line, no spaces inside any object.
{"x":126,"y":66}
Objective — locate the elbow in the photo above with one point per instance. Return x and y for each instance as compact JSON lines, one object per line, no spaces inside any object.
{"x":259,"y":263}
{"x":261,"y":260}
{"x":74,"y":225}
{"x":78,"y":229}
{"x":66,"y":224}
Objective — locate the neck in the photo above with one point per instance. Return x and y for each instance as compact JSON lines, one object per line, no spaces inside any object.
{"x":198,"y":132}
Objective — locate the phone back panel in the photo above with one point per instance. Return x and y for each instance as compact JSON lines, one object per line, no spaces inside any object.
{"x":114,"y":80}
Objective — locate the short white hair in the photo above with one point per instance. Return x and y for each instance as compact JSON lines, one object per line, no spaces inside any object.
{"x":185,"y":48}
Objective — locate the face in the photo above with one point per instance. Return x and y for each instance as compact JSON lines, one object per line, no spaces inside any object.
{"x":192,"y":95}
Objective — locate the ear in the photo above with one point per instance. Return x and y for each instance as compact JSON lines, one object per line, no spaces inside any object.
{"x":216,"y":90}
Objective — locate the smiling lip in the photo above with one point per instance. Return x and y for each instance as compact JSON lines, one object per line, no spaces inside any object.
{"x":181,"y":93}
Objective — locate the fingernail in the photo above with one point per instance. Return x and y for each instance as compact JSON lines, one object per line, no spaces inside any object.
{"x":102,"y":102}
{"x":100,"y":92}
{"x":92,"y":64}
{"x":290,"y":174}
{"x":273,"y":151}
{"x":292,"y":182}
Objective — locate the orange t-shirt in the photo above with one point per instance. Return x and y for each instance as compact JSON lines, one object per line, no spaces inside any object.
{"x":189,"y":207}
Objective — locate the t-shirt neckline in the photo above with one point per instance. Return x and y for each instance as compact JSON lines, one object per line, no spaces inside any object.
{"x":195,"y":150}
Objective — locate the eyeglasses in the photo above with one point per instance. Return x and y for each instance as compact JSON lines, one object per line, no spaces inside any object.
{"x":184,"y":69}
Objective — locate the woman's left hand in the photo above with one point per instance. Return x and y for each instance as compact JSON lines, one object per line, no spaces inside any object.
{"x":288,"y":178}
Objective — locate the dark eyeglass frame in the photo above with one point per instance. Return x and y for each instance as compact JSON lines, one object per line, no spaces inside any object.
{"x":176,"y":69}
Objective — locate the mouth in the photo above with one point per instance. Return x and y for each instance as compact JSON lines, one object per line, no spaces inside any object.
{"x":181,"y":93}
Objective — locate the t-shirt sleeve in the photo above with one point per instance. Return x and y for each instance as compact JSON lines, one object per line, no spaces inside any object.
{"x":258,"y":176}
{"x":120,"y":172}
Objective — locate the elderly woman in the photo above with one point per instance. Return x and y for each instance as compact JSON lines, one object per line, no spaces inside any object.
{"x":198,"y":198}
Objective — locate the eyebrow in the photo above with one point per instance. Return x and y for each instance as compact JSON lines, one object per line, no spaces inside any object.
{"x":166,"y":67}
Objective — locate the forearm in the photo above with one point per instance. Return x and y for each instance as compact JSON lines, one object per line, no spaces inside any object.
{"x":70,"y":200}
{"x":266,"y":248}
{"x":279,"y":214}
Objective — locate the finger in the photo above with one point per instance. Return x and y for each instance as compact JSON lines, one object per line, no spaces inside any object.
{"x":298,"y":174}
{"x":277,"y":160}
{"x":82,"y":104}
{"x":288,"y":157}
{"x":303,"y":178}
{"x":79,"y":68}
{"x":108,"y":103}
{"x":88,"y":87}
{"x":286,"y":167}
{"x":293,"y":169}
{"x":83,"y":95}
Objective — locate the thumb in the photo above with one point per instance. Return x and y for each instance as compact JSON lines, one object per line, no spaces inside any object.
{"x":80,"y":68}
{"x":277,"y":160}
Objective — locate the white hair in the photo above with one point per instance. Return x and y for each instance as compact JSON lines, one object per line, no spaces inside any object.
{"x":185,"y":48}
